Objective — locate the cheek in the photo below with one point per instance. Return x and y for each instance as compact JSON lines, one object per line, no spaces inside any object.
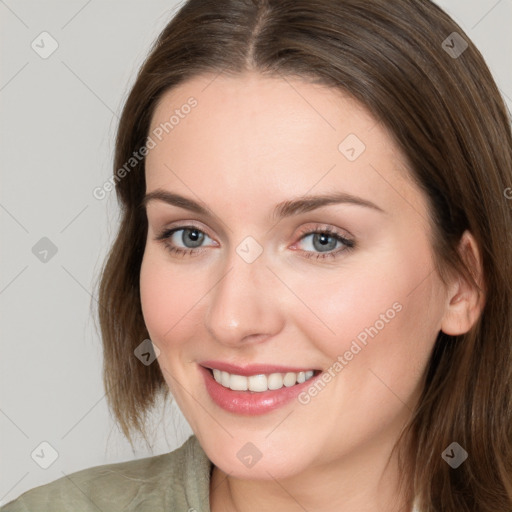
{"x":167,"y":300}
{"x":382,"y":313}
{"x":166,"y":297}
{"x":385,"y":319}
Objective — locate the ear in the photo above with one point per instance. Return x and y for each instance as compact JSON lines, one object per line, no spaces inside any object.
{"x":465,"y":301}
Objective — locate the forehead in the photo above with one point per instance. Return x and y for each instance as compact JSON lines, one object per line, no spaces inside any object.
{"x":249,"y":136}
{"x":283,"y":112}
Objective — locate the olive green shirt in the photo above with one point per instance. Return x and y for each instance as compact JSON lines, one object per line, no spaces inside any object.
{"x":174,"y":482}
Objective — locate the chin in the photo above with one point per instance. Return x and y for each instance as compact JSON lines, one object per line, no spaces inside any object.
{"x":246,"y":461}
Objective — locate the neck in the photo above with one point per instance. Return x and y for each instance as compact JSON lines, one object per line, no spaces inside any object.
{"x":364,"y":481}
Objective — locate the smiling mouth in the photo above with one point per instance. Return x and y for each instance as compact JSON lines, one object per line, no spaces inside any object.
{"x":261,"y":382}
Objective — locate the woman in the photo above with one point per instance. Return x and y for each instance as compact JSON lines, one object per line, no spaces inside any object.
{"x":314,"y":259}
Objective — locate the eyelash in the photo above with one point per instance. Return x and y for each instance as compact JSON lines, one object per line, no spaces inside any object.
{"x":349,"y":244}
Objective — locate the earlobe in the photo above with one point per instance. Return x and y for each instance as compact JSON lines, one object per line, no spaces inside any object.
{"x":465,"y":299}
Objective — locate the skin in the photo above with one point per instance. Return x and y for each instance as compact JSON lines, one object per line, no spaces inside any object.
{"x":250,"y":143}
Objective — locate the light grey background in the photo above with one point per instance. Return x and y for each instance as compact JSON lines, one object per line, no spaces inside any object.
{"x":57,"y":125}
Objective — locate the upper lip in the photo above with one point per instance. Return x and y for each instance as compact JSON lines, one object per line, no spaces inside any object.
{"x":252,"y":369}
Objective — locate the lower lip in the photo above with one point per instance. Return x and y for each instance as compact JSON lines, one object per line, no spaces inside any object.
{"x":251,"y":403}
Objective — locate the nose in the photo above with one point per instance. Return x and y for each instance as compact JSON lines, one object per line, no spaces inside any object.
{"x":244,"y":307}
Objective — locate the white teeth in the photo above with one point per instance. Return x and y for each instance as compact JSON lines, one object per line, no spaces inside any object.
{"x":238,"y":382}
{"x":275,"y":381}
{"x":261,"y":382}
{"x":290,"y":379}
{"x":257,"y":383}
{"x":224,"y":379}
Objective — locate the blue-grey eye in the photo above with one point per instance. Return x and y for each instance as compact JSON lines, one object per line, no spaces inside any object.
{"x":191,"y":238}
{"x":321,"y":242}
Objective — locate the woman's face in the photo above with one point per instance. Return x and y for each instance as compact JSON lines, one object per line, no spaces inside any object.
{"x":263,"y":284}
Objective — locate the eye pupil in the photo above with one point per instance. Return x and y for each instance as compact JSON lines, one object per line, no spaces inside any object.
{"x":323,"y":240}
{"x":194,"y":235}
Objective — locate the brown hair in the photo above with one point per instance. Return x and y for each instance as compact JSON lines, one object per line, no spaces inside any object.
{"x":446,"y":113}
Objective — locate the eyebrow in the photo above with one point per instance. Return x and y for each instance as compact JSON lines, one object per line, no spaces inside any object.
{"x":288,"y":208}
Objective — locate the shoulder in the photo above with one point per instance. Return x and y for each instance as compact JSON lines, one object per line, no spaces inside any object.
{"x":169,"y":482}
